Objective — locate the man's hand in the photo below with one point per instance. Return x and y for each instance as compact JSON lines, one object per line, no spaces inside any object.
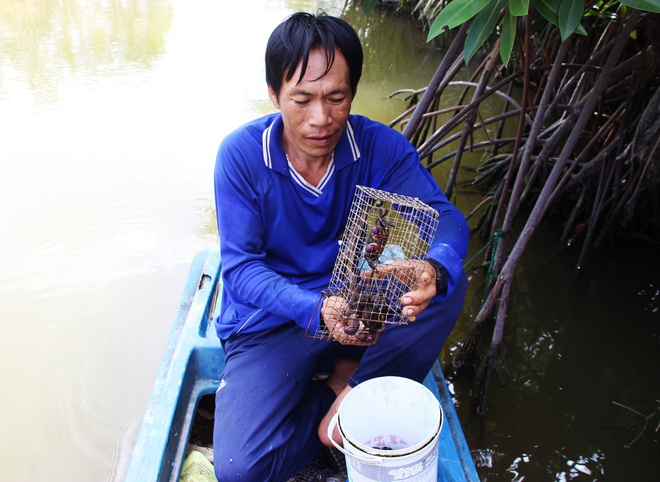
{"x":333,"y":314}
{"x":414,"y":273}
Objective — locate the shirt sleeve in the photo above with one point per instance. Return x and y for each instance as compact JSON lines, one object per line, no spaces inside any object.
{"x":245,"y":272}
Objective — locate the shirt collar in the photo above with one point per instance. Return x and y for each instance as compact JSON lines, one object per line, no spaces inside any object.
{"x":346,"y":152}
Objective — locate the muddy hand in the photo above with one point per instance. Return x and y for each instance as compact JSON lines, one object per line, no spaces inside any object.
{"x":333,"y":315}
{"x":415,"y":273}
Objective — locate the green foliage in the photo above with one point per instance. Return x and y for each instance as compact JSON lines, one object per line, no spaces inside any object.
{"x":548,"y":9}
{"x":644,"y":5}
{"x":509,"y":24}
{"x":456,"y":13}
{"x":369,"y":5}
{"x":500,"y":17}
{"x":519,"y":8}
{"x":481,"y":27}
{"x":569,"y":15}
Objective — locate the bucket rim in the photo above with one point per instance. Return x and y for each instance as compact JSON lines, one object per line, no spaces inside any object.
{"x":363,"y":448}
{"x":411,"y":449}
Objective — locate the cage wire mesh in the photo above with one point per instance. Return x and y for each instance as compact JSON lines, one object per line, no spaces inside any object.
{"x":364,"y":294}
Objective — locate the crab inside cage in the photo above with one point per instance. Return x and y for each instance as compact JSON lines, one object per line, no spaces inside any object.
{"x":371,"y":275}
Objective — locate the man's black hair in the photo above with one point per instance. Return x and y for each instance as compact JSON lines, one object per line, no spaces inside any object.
{"x":292,"y":40}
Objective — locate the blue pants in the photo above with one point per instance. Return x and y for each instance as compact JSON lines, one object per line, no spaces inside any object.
{"x":268,"y":408}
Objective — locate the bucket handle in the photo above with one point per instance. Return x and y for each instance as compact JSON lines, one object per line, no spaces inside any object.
{"x":331,"y":427}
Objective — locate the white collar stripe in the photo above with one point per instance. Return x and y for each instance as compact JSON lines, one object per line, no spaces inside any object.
{"x":315,"y":190}
{"x":301,"y":181}
{"x":265,"y":145}
{"x":352,"y":142}
{"x":328,"y":174}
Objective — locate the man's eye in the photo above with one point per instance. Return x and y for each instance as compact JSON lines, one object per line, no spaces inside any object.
{"x":337,"y":101}
{"x":301,"y":102}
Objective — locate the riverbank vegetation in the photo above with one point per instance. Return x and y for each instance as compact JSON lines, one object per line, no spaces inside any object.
{"x":578,"y":137}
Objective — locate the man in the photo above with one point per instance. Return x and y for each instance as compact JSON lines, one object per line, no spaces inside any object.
{"x":284,"y":184}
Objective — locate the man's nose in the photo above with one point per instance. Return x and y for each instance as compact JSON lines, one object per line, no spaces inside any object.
{"x":320,"y":114}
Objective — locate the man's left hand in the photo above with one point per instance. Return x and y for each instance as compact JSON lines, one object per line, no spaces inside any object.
{"x":411,"y":272}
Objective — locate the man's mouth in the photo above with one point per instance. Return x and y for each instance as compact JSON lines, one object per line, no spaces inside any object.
{"x":320,"y":140}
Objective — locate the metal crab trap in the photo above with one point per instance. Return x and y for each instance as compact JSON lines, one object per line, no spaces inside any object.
{"x":370,"y":274}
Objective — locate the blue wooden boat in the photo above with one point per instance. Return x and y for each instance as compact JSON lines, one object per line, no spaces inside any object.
{"x":189,"y":371}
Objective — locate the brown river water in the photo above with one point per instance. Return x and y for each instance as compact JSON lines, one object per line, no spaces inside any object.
{"x":110,"y":115}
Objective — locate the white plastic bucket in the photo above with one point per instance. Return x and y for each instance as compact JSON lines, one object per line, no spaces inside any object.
{"x":390,"y":427}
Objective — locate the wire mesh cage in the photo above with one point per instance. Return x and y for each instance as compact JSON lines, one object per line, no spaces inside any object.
{"x":373,"y":270}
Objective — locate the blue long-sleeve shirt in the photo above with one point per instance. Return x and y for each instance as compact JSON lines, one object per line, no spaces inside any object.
{"x":279,"y":236}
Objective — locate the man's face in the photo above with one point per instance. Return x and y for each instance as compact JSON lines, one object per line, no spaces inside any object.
{"x":315,"y":110}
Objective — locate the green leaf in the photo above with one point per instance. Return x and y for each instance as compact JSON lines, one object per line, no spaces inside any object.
{"x":368,"y":6}
{"x":580,"y":30}
{"x":481,"y":27}
{"x":548,"y":9}
{"x":509,"y":23}
{"x":455,"y":14}
{"x":569,"y":15}
{"x":645,"y":5}
{"x":519,"y":8}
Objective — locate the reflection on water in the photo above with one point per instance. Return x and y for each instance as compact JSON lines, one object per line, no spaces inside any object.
{"x":650,"y":298}
{"x":110,"y":113}
{"x":580,"y":353}
{"x":51,"y":43}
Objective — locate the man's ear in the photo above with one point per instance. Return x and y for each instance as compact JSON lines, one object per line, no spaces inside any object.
{"x":273,"y":97}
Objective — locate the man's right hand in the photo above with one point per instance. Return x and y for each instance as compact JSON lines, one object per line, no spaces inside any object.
{"x":333,"y":314}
